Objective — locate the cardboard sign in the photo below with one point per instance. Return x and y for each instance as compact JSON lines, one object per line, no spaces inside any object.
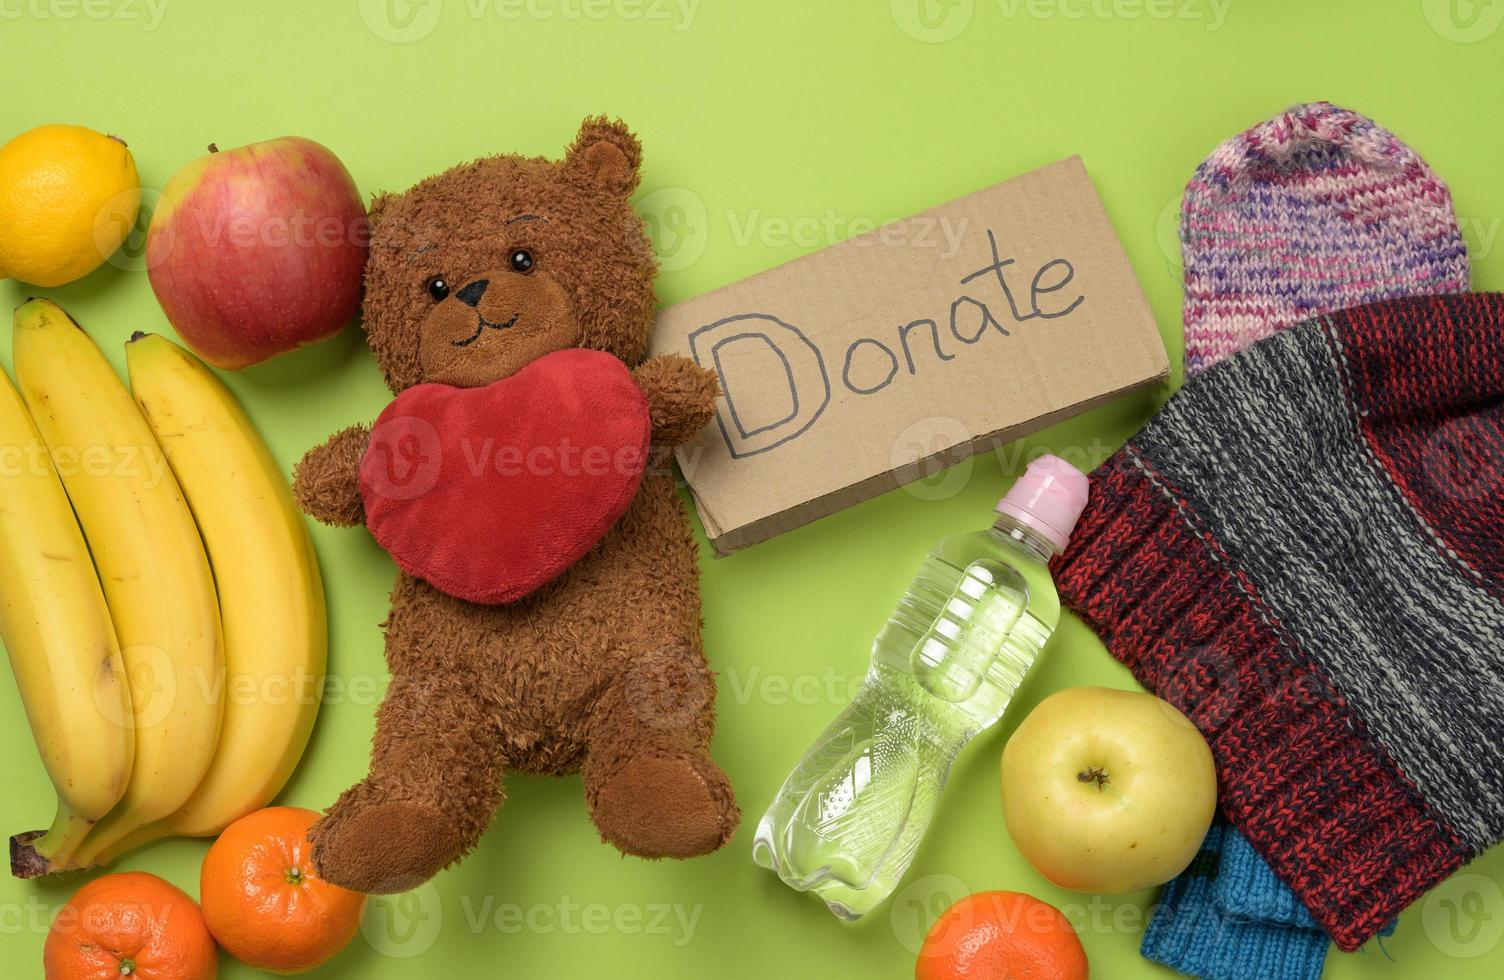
{"x":876,"y":361}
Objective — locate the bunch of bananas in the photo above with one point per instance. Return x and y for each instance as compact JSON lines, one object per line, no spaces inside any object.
{"x":159,"y":595}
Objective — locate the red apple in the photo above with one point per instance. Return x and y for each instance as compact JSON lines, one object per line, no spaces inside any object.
{"x":256,"y":251}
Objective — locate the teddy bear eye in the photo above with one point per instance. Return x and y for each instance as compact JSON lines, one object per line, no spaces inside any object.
{"x":522,"y":260}
{"x":438,"y":288}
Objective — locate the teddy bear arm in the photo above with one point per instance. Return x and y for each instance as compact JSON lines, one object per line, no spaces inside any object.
{"x":326,"y":482}
{"x":681,"y":397}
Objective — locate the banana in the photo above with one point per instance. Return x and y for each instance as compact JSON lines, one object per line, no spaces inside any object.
{"x":271,"y":597}
{"x":150,"y":559}
{"x":62,"y":645}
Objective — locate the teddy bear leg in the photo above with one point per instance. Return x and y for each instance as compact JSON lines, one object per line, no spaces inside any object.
{"x":434,"y":785}
{"x":652,"y":788}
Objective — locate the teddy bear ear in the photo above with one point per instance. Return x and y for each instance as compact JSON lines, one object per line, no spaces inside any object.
{"x":606,"y":153}
{"x":378,"y":204}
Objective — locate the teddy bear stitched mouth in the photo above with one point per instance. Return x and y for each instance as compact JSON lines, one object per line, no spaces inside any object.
{"x":483,"y":326}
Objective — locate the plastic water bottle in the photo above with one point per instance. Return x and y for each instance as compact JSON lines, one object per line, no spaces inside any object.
{"x":849,"y":818}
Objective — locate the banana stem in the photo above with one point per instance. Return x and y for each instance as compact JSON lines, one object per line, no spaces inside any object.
{"x":35,"y":854}
{"x":109,"y":855}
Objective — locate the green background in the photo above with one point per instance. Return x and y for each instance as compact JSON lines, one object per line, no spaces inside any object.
{"x":770,"y":128}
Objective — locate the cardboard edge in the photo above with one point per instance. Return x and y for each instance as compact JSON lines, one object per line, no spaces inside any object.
{"x":734,"y":540}
{"x":865,"y":237}
{"x":1136,"y":282}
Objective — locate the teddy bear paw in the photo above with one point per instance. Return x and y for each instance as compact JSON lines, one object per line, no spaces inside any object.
{"x":676,"y":807}
{"x":383,"y":848}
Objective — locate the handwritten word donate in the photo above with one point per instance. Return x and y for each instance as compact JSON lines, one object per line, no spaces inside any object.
{"x":764,"y":357}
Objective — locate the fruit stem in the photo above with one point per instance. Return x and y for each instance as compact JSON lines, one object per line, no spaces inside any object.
{"x":68,"y":831}
{"x":294,"y":875}
{"x":127,"y":966}
{"x":117,"y":139}
{"x":108,"y":833}
{"x":117,"y":850}
{"x":1094,"y":774}
{"x":213,"y":147}
{"x":137,"y":335}
{"x":37,"y":853}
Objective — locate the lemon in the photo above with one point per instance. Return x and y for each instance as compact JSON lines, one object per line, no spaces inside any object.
{"x":68,"y":198}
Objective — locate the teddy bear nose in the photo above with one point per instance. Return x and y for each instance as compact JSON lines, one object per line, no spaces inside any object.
{"x":472,"y":293}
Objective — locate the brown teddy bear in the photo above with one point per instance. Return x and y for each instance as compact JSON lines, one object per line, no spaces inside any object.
{"x":473,"y":275}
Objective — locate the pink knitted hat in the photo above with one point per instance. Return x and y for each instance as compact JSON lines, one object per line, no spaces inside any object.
{"x":1317,"y":210}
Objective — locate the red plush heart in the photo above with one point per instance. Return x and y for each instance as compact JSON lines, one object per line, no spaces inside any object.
{"x":489,"y":493}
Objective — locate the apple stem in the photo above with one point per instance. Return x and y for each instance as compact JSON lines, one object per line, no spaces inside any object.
{"x":213,"y":147}
{"x":1095,"y":774}
{"x":118,"y":140}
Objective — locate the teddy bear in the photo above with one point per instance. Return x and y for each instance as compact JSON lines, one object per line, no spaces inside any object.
{"x":475,"y":274}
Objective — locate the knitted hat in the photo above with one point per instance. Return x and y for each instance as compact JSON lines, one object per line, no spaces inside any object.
{"x":1304,"y":552}
{"x":1192,"y":932}
{"x":1316,"y":210}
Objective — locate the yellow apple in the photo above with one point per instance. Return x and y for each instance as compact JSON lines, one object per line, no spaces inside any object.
{"x":1108,"y":791}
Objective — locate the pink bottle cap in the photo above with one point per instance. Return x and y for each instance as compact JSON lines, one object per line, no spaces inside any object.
{"x":1048,"y":499}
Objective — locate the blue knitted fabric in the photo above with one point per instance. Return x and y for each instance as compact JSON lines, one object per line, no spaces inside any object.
{"x":1191,"y":934}
{"x":1246,"y":888}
